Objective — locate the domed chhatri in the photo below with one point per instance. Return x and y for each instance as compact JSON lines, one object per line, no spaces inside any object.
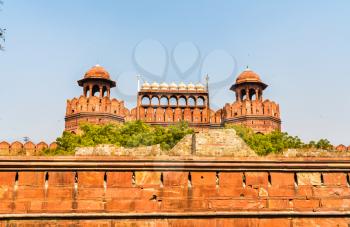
{"x":155,"y":86}
{"x":191,"y":87}
{"x":250,"y":109}
{"x":173,"y":86}
{"x":164,"y":86}
{"x":95,"y":104}
{"x":146,"y":86}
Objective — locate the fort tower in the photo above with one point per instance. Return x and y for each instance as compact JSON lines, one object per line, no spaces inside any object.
{"x":250,"y":109}
{"x":94,"y":105}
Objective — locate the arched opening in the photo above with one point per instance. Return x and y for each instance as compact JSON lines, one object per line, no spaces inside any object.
{"x":173,"y":101}
{"x":252,"y":94}
{"x":95,"y":90}
{"x":86,"y":91}
{"x":191,"y":101}
{"x":104,"y":91}
{"x":145,"y":100}
{"x":200,"y":101}
{"x":243,"y":95}
{"x":164,"y":101}
{"x":155,"y":101}
{"x":182,"y":101}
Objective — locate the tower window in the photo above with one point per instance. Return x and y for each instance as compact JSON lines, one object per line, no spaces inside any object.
{"x":95,"y":90}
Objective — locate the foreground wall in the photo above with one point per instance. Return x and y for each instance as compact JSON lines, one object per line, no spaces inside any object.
{"x":201,"y":192}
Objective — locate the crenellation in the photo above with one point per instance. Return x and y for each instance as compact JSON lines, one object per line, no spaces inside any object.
{"x":28,"y":148}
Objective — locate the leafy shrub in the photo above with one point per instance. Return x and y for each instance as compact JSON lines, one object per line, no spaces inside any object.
{"x":276,"y":141}
{"x":130,"y":134}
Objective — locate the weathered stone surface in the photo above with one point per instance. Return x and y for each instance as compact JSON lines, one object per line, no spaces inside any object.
{"x":213,"y":142}
{"x":107,"y":150}
{"x":309,"y":178}
{"x":147,"y":178}
{"x":221,"y":142}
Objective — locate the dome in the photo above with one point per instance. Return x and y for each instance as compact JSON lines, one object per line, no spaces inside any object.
{"x":200,"y":87}
{"x":146,"y":85}
{"x":164,"y":86}
{"x":155,"y":85}
{"x":248,"y":76}
{"x":191,"y":87}
{"x":182,"y":86}
{"x":97,"y":71}
{"x":173,"y":86}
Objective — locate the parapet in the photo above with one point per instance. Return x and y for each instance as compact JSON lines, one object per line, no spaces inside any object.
{"x":28,"y":148}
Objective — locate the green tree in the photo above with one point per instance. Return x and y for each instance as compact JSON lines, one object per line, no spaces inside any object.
{"x":273,"y":142}
{"x":130,"y":134}
{"x":324,"y":144}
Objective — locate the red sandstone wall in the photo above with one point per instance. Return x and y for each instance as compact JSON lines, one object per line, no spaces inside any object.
{"x":36,"y":192}
{"x":189,"y":222}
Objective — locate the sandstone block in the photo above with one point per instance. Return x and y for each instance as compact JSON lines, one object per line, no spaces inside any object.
{"x":175,"y":179}
{"x":279,"y":180}
{"x":257,"y":178}
{"x":7,"y":178}
{"x":119,"y":179}
{"x":61,"y":179}
{"x":233,"y":179}
{"x":91,"y":179}
{"x":203,"y":179}
{"x":147,"y":178}
{"x":36,"y":179}
{"x":334,"y":179}
{"x":309,"y":178}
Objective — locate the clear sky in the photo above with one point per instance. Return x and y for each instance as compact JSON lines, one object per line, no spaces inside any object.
{"x":300,"y":48}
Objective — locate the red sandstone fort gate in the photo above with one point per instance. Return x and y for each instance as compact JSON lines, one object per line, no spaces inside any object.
{"x":164,"y":104}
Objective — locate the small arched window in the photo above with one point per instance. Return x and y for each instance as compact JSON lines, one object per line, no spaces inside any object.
{"x":182,"y":101}
{"x":200,"y":101}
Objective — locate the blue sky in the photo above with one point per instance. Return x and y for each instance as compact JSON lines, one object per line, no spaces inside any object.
{"x":300,"y":48}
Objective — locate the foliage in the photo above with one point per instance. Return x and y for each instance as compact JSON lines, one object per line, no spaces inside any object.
{"x":321,"y":144}
{"x":130,"y":134}
{"x":276,"y":141}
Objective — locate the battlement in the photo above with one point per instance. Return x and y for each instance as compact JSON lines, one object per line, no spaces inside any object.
{"x":95,"y":110}
{"x":28,"y":148}
{"x":261,"y":116}
{"x":187,"y":191}
{"x":96,"y":104}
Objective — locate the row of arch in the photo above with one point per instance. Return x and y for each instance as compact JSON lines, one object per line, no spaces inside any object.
{"x":248,"y":94}
{"x":173,"y":101}
{"x":192,"y":115}
{"x":195,"y":115}
{"x":96,"y":90}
